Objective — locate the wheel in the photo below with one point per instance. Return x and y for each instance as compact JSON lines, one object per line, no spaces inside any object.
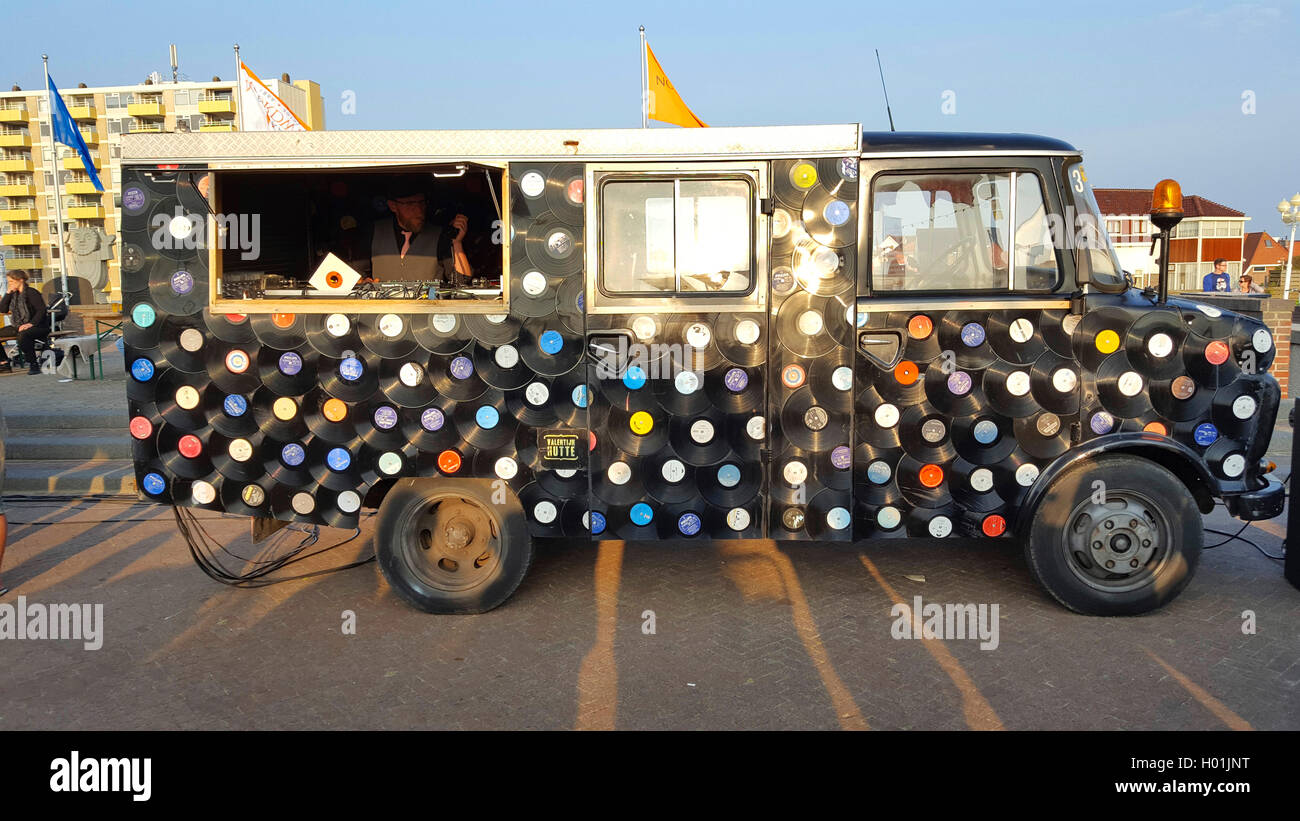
{"x":1123,"y":547}
{"x":445,"y":546}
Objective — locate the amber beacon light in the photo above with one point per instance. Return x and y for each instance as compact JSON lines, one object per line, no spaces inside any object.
{"x":1166,"y":212}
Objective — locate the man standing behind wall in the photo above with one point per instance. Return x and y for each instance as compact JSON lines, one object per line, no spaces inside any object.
{"x":1218,"y":280}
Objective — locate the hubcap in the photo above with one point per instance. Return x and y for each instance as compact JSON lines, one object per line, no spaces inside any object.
{"x":452,"y":544}
{"x":1119,"y":545}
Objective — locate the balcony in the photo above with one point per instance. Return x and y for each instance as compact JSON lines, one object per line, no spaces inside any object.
{"x":80,"y":186}
{"x":206,"y":127}
{"x":26,"y":262}
{"x":82,"y":110}
{"x":17,"y":189}
{"x":220,"y":106}
{"x":90,"y":135}
{"x":17,"y":237}
{"x":18,"y":214}
{"x":13,"y":112}
{"x":145,"y":128}
{"x":85,"y":211}
{"x":17,"y":138}
{"x":151,"y":110}
{"x":74,"y":163}
{"x":8,"y":164}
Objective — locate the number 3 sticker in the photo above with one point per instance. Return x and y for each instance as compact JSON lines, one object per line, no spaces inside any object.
{"x":1079,"y":179}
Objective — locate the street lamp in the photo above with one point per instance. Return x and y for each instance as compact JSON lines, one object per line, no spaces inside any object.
{"x":1290,"y":212}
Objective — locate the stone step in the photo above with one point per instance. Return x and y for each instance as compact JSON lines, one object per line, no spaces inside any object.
{"x":70,"y":477}
{"x":65,"y":419}
{"x":74,"y":443}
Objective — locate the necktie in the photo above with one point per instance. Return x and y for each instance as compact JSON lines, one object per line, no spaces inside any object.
{"x":406,"y":242}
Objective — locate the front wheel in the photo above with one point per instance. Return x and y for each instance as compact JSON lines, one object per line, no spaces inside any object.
{"x":452,"y":546}
{"x":1115,"y":536}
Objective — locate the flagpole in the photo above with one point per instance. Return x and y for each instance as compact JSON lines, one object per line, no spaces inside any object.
{"x":58,"y":193}
{"x":645,"y":85}
{"x":239,"y":95}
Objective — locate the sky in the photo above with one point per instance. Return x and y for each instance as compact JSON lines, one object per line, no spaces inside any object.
{"x":1205,"y":93}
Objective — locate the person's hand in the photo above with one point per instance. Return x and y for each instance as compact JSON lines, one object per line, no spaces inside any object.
{"x":461,"y":224}
{"x":13,"y":284}
{"x":24,"y":326}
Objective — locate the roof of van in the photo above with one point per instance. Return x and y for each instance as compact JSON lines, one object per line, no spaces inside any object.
{"x":928,"y":142}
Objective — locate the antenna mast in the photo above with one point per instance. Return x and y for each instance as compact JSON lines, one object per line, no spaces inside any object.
{"x":882,"y":88}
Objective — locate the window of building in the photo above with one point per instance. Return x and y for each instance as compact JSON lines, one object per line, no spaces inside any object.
{"x":114,"y":126}
{"x":112,"y":101}
{"x":181,"y":97}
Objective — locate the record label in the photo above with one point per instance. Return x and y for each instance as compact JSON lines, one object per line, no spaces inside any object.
{"x":154,"y":484}
{"x":253,"y":495}
{"x":781,"y":221}
{"x":888,"y":517}
{"x":487,"y":417}
{"x":1021,"y":331}
{"x":432,"y":420}
{"x":634,"y":378}
{"x":144,"y":315}
{"x":736,"y":380}
{"x":187,"y":397}
{"x":747,"y":332}
{"x":348,"y":501}
{"x":1205,"y":434}
{"x":756,"y":428}
{"x":390,"y":463}
{"x":641,"y":514}
{"x":581,"y":396}
{"x":290,"y":364}
{"x":920,"y":326}
{"x":140,"y":427}
{"x":191,"y":339}
{"x":686,"y":382}
{"x":444,"y":323}
{"x":729,"y":476}
{"x":644,"y":327}
{"x":283,"y":321}
{"x":792,"y":518}
{"x":641,"y":423}
{"x":1065,"y":380}
{"x":302,"y":503}
{"x":237,"y":361}
{"x":385,"y":417}
{"x":815,"y":418}
{"x":931,"y":475}
{"x":1157,"y":428}
{"x":810,"y":323}
{"x":836,"y":213}
{"x":284,"y":409}
{"x":940,"y":527}
{"x":1107,"y":341}
{"x":782,"y":280}
{"x":1212,"y":312}
{"x":1026,"y":474}
{"x":337,"y":325}
{"x":411,"y":374}
{"x":241,"y":450}
{"x":698,"y":335}
{"x":886,"y":415}
{"x":506,"y":468}
{"x":180,"y":227}
{"x":803,"y":175}
{"x":619,"y":473}
{"x":534,"y":283}
{"x":537,"y":394}
{"x":1182,"y":387}
{"x":842,"y":378}
{"x":449,"y":461}
{"x":532,"y":184}
{"x":182,"y":282}
{"x":702,"y":431}
{"x":189,"y":446}
{"x":1262,"y":341}
{"x":391,"y":325}
{"x":1102,"y":422}
{"x":673,"y":471}
{"x":142,"y":370}
{"x":293,"y":454}
{"x":837,"y":518}
{"x":1049,"y":424}
{"x":795,"y":473}
{"x":338,"y":459}
{"x":335,"y":410}
{"x":1216,"y":353}
{"x":1160,"y":345}
{"x":598,"y":523}
{"x":738,"y":519}
{"x":793,"y":376}
{"x":933,"y":431}
{"x":350,"y":369}
{"x":879,"y":472}
{"x":1071,"y":323}
{"x":1018,"y":383}
{"x":134,"y":200}
{"x":202,"y":493}
{"x":688,"y":524}
{"x":1130,"y":383}
{"x":566,"y":473}
{"x":507,"y":356}
{"x":972,"y":334}
{"x":994,"y":525}
{"x":981,"y":480}
{"x":559,"y":244}
{"x":906,"y":372}
{"x":959,"y":383}
{"x":1243,"y":407}
{"x":1234,"y":465}
{"x":986,"y":432}
{"x":841,"y":457}
{"x":461,"y":367}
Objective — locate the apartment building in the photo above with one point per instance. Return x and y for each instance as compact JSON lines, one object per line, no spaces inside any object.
{"x":28,"y":161}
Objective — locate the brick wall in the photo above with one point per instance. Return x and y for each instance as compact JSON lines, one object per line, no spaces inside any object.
{"x":1277,"y":315}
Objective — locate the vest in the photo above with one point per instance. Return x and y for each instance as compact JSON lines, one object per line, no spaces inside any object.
{"x":420,"y":263}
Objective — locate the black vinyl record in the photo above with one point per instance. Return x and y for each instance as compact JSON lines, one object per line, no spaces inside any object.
{"x":144,"y":486}
{"x":1008,"y":389}
{"x":284,"y":331}
{"x":237,"y":329}
{"x":223,"y":450}
{"x":839,"y":176}
{"x":700,"y":438}
{"x":742,"y":338}
{"x":548,"y":348}
{"x":696,"y":336}
{"x":829,"y":515}
{"x":571,"y":395}
{"x":874,"y":417}
{"x":803,"y":324}
{"x":453,"y":376}
{"x":378,"y":465}
{"x":182,"y":341}
{"x":739,"y":522}
{"x":285,"y":460}
{"x":228,"y":414}
{"x":337,"y":431}
{"x":831,"y":380}
{"x":1242,"y":343}
{"x":781,"y":488}
{"x":493,"y":329}
{"x":1154,"y":342}
{"x":607,"y":487}
{"x":235,"y":496}
{"x":957,"y":393}
{"x":570,"y":304}
{"x":352,"y":379}
{"x":681,"y":520}
{"x":974,"y":486}
{"x":286,"y":501}
{"x":172,"y":451}
{"x":730,"y":483}
{"x":528,"y":188}
{"x":808,"y":424}
{"x":1180,"y":398}
{"x":134,"y":260}
{"x":483,"y":422}
{"x":222,"y":357}
{"x":1119,"y":387}
{"x":668,"y":478}
{"x":1100,"y":334}
{"x":564,"y":193}
{"x":833,"y":467}
{"x":792,"y":181}
{"x":746,"y":432}
{"x":567,"y":483}
{"x":444,"y":334}
{"x":869,"y":521}
{"x":904,"y":385}
{"x":534,"y":292}
{"x":410,"y":382}
{"x":533,"y":404}
{"x":177,"y":284}
{"x":984,"y":438}
{"x":925,"y":433}
{"x":553,"y":246}
{"x":333,"y":466}
{"x":875,"y":474}
{"x":430,"y":428}
{"x":501,"y":366}
{"x":829,"y":218}
{"x":1239,"y":397}
{"x":1058,"y":328}
{"x":933,"y":523}
{"x":1044,"y":435}
{"x":330,"y":503}
{"x":333,"y":335}
{"x":378,"y":423}
{"x":288,"y":373}
{"x":144,"y":366}
{"x":141,"y":336}
{"x":1049,"y":377}
{"x":175,"y":390}
{"x":1016,"y":474}
{"x":651,"y":420}
{"x":734,"y":389}
{"x":504,"y":464}
{"x":1199,"y":357}
{"x":388,"y":335}
{"x":915,"y":491}
{"x":965,"y":333}
{"x":1017,"y":336}
{"x":263,"y":407}
{"x":1207,"y":320}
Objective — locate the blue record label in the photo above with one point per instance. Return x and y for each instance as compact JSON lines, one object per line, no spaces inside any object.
{"x":972,"y":334}
{"x":551,"y":342}
{"x":293,"y":455}
{"x":432,"y":420}
{"x":1205,"y":434}
{"x":597,"y":523}
{"x":143,"y":315}
{"x":581,"y":396}
{"x":133,"y":199}
{"x":1102,"y":422}
{"x":338,"y":459}
{"x":986,"y":432}
{"x":635,"y":378}
{"x":153,"y":484}
{"x":351,"y":369}
{"x":142,"y":370}
{"x":290,"y":364}
{"x":736,"y":380}
{"x":487,"y":417}
{"x":182,"y":283}
{"x":641,"y":514}
{"x":841,"y":457}
{"x":235,"y":405}
{"x":385,"y":418}
{"x":688,"y":524}
{"x":462,"y":367}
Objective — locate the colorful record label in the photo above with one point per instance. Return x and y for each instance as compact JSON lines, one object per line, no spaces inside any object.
{"x":1021,"y":330}
{"x":203,"y":493}
{"x":641,"y":514}
{"x":959,"y":383}
{"x":728,"y":475}
{"x":810,"y":323}
{"x":641,"y":423}
{"x":931,"y":476}
{"x":290,"y":364}
{"x":284,"y":409}
{"x":879,"y":472}
{"x":698,"y":335}
{"x":581,"y":396}
{"x":461,"y":367}
{"x":1217,"y":352}
{"x":841,"y":457}
{"x":1018,"y":383}
{"x":1182,"y":387}
{"x":410,"y":374}
{"x":598,"y":523}
{"x":619,"y":473}
{"x":981,"y":480}
{"x":432,"y":419}
{"x":940,"y":527}
{"x":747,"y":332}
{"x":1243,"y":407}
{"x":756,"y":428}
{"x":933,"y":431}
{"x":390,"y":463}
{"x":836,"y":212}
{"x":1107,"y":341}
{"x":487,"y":417}
{"x":738,"y":519}
{"x":350,"y":369}
{"x":906,"y":372}
{"x":793,"y":376}
{"x":133,"y":199}
{"x":449,"y":461}
{"x":673,"y":471}
{"x":1065,"y":380}
{"x":888,"y":517}
{"x":237,"y":361}
{"x":1205,"y":434}
{"x":634,"y":378}
{"x":348,"y":501}
{"x":1026,"y":474}
{"x":144,"y":315}
{"x":337,"y":325}
{"x":391,"y":325}
{"x":534,"y":283}
{"x":189,"y":446}
{"x":795,"y":473}
{"x":302,"y":503}
{"x":385,"y":417}
{"x":187,"y":397}
{"x":1160,"y":345}
{"x":803,"y":175}
{"x":241,"y":450}
{"x":142,"y":370}
{"x":182,"y":283}
{"x":537,"y":394}
{"x":815,"y":418}
{"x":886,"y":415}
{"x":688,"y":524}
{"x":838,"y":518}
{"x":972,"y":334}
{"x":1102,"y":422}
{"x":736,"y":380}
{"x":293,"y":454}
{"x":920,"y":326}
{"x":842,"y":378}
{"x":702,"y":431}
{"x":140,"y":427}
{"x":986,"y":432}
{"x":338,"y":459}
{"x":153,"y":484}
{"x":253,"y":495}
{"x":686,"y":382}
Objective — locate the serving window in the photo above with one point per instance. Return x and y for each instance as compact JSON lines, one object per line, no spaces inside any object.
{"x":359,"y":240}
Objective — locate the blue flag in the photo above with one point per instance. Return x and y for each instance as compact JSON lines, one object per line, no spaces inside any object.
{"x":65,"y":131}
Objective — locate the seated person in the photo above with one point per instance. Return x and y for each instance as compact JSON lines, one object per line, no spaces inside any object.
{"x":406,"y":248}
{"x":30,"y":320}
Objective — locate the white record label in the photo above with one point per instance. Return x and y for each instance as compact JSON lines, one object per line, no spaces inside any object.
{"x":620,"y":473}
{"x":1160,"y":345}
{"x":507,"y":356}
{"x":810,"y":323}
{"x":389,"y":463}
{"x":738,"y":518}
{"x":532,"y":184}
{"x":673,"y":471}
{"x":842,"y":378}
{"x":940,"y":527}
{"x":888,"y":517}
{"x":795,"y":473}
{"x":1262,"y":341}
{"x":534,"y":283}
{"x":698,"y":335}
{"x":1022,"y":330}
{"x":1243,"y":407}
{"x":981,"y":479}
{"x":390,"y":325}
{"x":1130,"y":383}
{"x":348,"y":501}
{"x":886,"y":416}
{"x":302,"y":503}
{"x":444,"y":323}
{"x":506,"y":467}
{"x":203,"y":493}
{"x":755,"y":428}
{"x":702,"y":431}
{"x":410,"y":374}
{"x":1026,"y":475}
{"x":1065,"y":380}
{"x":337,"y":325}
{"x":1234,"y":465}
{"x":686,"y":382}
{"x":241,"y":450}
{"x":544,"y":512}
{"x":644,"y":327}
{"x":1018,"y":383}
{"x":837,"y":518}
{"x":747,"y":332}
{"x":537,"y":394}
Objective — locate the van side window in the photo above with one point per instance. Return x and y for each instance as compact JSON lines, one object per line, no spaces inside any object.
{"x":676,"y":236}
{"x":952,"y":232}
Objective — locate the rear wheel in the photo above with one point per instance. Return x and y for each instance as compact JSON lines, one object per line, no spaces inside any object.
{"x":446,"y":546}
{"x":1118,"y":535}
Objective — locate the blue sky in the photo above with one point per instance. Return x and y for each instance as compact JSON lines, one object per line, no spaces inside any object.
{"x":1147,"y":90}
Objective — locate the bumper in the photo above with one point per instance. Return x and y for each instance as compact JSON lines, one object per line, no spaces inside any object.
{"x":1265,"y":503}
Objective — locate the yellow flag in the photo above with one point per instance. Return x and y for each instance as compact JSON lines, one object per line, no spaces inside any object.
{"x":663,"y":102}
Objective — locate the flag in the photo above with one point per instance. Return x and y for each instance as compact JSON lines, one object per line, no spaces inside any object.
{"x":64,"y":129}
{"x":662,"y":101}
{"x":261,"y":109}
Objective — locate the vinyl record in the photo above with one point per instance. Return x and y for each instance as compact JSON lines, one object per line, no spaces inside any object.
{"x":568,"y":483}
{"x":444,"y":334}
{"x":933,"y":523}
{"x":570,"y":304}
{"x":746,"y":432}
{"x":957,"y":393}
{"x":430,"y":428}
{"x":483,"y":422}
{"x":734,"y":389}
{"x":1044,"y":435}
{"x":1101,"y":333}
{"x":924,"y":484}
{"x":1008,"y":389}
{"x":636,"y":521}
{"x":182,"y":341}
{"x":730,"y":483}
{"x":1149,"y":422}
{"x":333,"y":335}
{"x":295,"y":503}
{"x":669,"y":479}
{"x":184,"y":453}
{"x":830,"y":516}
{"x":1206,"y":320}
{"x":288,"y":373}
{"x":142,"y":325}
{"x":1016,"y":474}
{"x":352,"y":379}
{"x":143,"y":196}
{"x":143,"y":368}
{"x":233,"y":367}
{"x":192,"y":492}
{"x":920,"y":334}
{"x":1054,"y":383}
{"x":680,"y":521}
{"x":742,"y":337}
{"x":974,"y":486}
{"x":575,"y":519}
{"x":1251,"y":341}
{"x":1119,"y":387}
{"x":532,"y":405}
{"x":1058,"y":328}
{"x":839,"y":176}
{"x":387,"y":335}
{"x":802,"y":325}
{"x":334,"y":466}
{"x":492,"y":330}
{"x":831,"y":380}
{"x":1235,"y":409}
{"x":452,"y":376}
{"x":615,"y":478}
{"x":228,"y":414}
{"x":740,"y":522}
{"x":377,"y":423}
{"x":548,"y":348}
{"x":571,"y":396}
{"x":877,"y":420}
{"x":245,"y":498}
{"x":638,"y":432}
{"x":283,"y":331}
{"x":381,"y":465}
{"x":809,"y":424}
{"x":682,"y":394}
{"x":565,"y":194}
{"x":696,"y":337}
{"x":237,"y":329}
{"x":841,"y":319}
{"x":501,"y":367}
{"x":180,"y":399}
{"x":925,"y":433}
{"x":965,"y":333}
{"x":1017,"y":336}
{"x":340,"y":508}
{"x":833,"y":467}
{"x":534,"y":292}
{"x":1227,"y":460}
{"x":153,"y":481}
{"x":791,"y":477}
{"x":984,"y":438}
{"x":553,"y":247}
{"x":503,"y":463}
{"x":830,"y":219}
{"x":904,"y":385}
{"x":792,"y":181}
{"x":235,"y":457}
{"x":1211,"y":362}
{"x":875,"y":474}
{"x":286,"y":460}
{"x":700,"y":438}
{"x":133,"y":262}
{"x":879,"y":521}
{"x":1153,"y":344}
{"x":280,"y":417}
{"x":528,"y":188}
{"x":1181,"y":398}
{"x":410,"y":381}
{"x":1097,"y":421}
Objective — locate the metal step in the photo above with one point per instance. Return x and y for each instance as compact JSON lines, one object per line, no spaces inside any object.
{"x":69,"y":477}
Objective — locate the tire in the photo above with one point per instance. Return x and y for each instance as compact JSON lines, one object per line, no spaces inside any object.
{"x":1149,"y":528}
{"x":445,"y":547}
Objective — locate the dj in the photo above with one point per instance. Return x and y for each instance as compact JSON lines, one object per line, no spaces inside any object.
{"x":406,"y":248}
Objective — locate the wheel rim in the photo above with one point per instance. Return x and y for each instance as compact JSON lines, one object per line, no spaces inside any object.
{"x":451,"y":544}
{"x":1119,"y":545}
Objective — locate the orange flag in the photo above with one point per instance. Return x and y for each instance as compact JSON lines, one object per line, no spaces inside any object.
{"x":663,"y":101}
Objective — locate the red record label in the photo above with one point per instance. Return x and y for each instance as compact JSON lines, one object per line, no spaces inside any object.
{"x":1216,"y":353}
{"x":141,"y":427}
{"x":190,"y":446}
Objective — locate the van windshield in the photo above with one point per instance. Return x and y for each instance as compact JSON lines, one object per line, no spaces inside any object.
{"x":1094,"y":256}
